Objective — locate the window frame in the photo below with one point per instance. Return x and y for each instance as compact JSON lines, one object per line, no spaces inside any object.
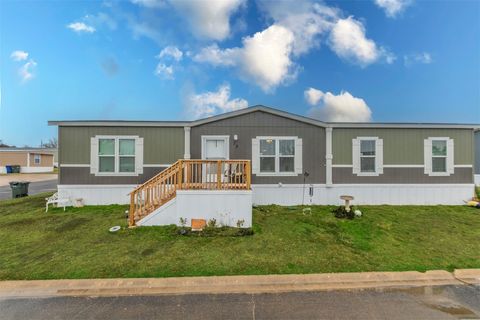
{"x":377,"y":158}
{"x":35,"y":157}
{"x":117,"y":155}
{"x":446,"y":157}
{"x":277,"y":156}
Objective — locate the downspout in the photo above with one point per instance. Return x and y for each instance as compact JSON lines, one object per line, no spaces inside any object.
{"x":28,"y":159}
{"x":187,"y":154}
{"x":328,"y":157}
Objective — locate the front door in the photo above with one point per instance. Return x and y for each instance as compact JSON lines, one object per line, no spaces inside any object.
{"x":213,"y":148}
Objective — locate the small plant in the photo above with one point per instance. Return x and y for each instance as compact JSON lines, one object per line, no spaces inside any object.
{"x":342,"y":213}
{"x":212,"y":223}
{"x":240,"y":223}
{"x":183,"y":222}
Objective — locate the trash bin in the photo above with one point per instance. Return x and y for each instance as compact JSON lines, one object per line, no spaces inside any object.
{"x":19,"y":189}
{"x":15,"y":169}
{"x":8,"y":169}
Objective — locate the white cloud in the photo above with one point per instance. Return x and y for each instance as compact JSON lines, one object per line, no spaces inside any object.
{"x":307,"y":21}
{"x":208,"y":20}
{"x":155,"y":4}
{"x":337,"y":108}
{"x":313,"y":95}
{"x":164,"y":72}
{"x":268,"y":58}
{"x":172,"y":52}
{"x":349,"y":42}
{"x":265,"y":57}
{"x":393,"y":7}
{"x":26,"y":71}
{"x":216,"y":56}
{"x":213,"y":102}
{"x":80,"y":27}
{"x":19,"y":55}
{"x":423,"y":57}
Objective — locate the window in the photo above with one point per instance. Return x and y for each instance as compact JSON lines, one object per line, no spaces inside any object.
{"x":36,"y":159}
{"x":367,"y":154}
{"x":116,"y":155}
{"x":276,"y":156}
{"x":438,"y":156}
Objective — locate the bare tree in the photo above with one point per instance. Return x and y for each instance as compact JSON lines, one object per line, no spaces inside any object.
{"x":51,"y":143}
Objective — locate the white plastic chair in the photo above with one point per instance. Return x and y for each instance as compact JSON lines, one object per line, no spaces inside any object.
{"x":55,"y":200}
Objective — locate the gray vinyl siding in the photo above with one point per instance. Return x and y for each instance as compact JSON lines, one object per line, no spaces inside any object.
{"x":80,"y":175}
{"x":401,"y":176}
{"x":162,"y":145}
{"x":477,"y":152}
{"x":402,"y":146}
{"x":251,"y":125}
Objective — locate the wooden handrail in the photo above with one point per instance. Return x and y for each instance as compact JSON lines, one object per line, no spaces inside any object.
{"x":188,"y":175}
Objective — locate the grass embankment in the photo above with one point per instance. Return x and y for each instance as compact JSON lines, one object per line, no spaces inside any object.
{"x":77,"y":244}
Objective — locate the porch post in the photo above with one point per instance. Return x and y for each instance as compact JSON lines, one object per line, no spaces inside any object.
{"x":186,"y":154}
{"x":328,"y":156}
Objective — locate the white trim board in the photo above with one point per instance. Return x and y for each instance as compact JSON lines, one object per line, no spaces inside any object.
{"x":69,"y":165}
{"x":401,"y":166}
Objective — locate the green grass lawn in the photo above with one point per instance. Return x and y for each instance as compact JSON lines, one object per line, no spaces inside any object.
{"x":77,"y":244}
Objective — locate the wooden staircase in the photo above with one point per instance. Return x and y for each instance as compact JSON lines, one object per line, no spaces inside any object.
{"x":187,"y":175}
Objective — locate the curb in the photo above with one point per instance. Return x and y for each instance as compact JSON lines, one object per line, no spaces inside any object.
{"x":234,"y":284}
{"x":468,"y":276}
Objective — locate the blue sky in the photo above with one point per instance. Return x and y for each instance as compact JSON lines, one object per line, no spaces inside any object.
{"x":379,"y":60}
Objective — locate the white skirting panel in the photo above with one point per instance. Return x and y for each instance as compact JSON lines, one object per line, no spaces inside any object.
{"x":35,"y":169}
{"x":226,"y":207}
{"x":476,"y":179}
{"x":96,"y":194}
{"x":374,"y":194}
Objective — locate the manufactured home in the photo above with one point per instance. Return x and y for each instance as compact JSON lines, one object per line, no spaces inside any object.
{"x":259,"y":156}
{"x":30,"y":160}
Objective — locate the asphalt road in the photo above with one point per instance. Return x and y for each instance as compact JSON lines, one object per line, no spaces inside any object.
{"x":33,"y":188}
{"x":445,"y":302}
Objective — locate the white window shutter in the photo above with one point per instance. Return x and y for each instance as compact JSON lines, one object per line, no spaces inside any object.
{"x":93,"y":155}
{"x":356,"y":156}
{"x":139,"y":155}
{"x":450,"y":157}
{"x":427,"y":155}
{"x":255,"y":156}
{"x":379,"y":156}
{"x":298,"y":156}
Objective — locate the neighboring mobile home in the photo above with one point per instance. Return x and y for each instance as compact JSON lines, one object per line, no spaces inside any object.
{"x":294,"y":159}
{"x":30,"y":160}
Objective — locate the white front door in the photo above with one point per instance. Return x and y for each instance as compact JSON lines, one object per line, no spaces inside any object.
{"x":213,"y":148}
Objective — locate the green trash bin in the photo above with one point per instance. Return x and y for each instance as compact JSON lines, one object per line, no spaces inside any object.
{"x":19,"y":189}
{"x":15,"y":169}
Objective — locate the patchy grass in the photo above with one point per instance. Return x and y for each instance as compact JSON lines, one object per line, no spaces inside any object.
{"x":77,"y":244}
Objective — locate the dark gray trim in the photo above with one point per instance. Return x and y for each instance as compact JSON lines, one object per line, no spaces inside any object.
{"x":402,"y":175}
{"x":264,"y":109}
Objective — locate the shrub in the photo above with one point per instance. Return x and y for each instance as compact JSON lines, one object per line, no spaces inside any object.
{"x":342,"y":213}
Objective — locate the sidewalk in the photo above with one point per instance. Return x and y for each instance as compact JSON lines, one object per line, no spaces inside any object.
{"x":235,"y":284}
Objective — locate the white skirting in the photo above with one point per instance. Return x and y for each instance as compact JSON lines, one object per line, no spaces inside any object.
{"x":96,"y":194}
{"x":476,"y":179}
{"x":374,"y":194}
{"x":292,"y":194}
{"x":35,"y":169}
{"x":226,"y":207}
